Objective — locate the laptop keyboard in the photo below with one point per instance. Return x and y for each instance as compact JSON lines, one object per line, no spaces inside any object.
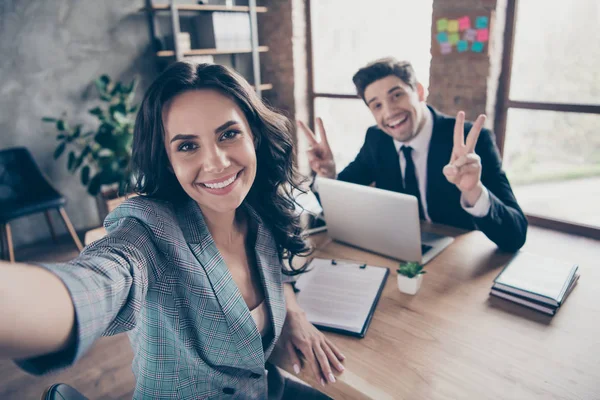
{"x":425,"y":248}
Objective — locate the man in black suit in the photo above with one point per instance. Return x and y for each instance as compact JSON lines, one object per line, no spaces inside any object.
{"x":417,"y":150}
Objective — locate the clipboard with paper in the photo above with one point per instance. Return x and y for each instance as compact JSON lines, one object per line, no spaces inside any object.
{"x":341,"y":296}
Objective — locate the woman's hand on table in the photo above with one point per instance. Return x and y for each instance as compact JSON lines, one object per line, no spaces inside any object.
{"x":306,"y":346}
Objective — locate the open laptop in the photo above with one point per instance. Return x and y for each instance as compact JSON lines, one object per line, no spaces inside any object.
{"x":378,"y":220}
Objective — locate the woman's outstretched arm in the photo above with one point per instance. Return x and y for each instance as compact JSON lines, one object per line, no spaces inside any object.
{"x":52,"y":314}
{"x":37,"y":316}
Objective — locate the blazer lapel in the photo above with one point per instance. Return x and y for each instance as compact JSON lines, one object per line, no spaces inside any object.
{"x":440,"y":148}
{"x":391,"y":174}
{"x":269,"y":267}
{"x":241,"y":326}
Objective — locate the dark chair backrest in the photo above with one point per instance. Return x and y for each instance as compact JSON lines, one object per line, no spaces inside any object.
{"x":20,"y":177}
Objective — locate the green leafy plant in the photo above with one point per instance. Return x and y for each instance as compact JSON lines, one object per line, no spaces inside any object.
{"x":411,"y":269}
{"x":102,"y":156}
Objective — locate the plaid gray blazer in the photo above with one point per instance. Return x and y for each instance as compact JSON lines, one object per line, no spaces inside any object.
{"x":159,"y":275}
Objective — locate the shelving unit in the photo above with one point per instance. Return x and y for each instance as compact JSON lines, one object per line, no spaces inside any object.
{"x":205,"y":7}
{"x":178,"y":54}
{"x":210,"y":52}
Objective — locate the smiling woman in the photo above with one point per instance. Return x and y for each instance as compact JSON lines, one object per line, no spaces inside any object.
{"x":214,"y":161}
{"x":203,"y":115}
{"x":192,"y":267}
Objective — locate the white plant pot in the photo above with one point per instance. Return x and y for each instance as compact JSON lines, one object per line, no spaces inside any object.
{"x":409,"y":285}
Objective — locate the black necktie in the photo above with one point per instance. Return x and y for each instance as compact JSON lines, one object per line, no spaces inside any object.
{"x":411,"y":185}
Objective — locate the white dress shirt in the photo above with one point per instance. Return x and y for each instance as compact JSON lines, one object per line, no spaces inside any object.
{"x":420,"y":151}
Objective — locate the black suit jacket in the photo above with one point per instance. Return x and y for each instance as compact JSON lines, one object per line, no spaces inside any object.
{"x":378,"y":162}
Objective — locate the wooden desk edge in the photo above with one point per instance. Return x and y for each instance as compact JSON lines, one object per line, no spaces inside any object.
{"x":347,"y":386}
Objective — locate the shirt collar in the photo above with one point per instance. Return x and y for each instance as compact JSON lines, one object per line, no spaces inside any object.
{"x":420,"y":143}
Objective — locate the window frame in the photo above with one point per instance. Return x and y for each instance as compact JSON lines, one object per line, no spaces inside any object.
{"x":312,"y":95}
{"x":504,"y":103}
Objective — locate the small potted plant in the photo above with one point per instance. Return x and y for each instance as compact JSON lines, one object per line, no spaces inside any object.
{"x":410,"y":275}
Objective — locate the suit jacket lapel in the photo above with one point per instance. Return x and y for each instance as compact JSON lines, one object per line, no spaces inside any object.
{"x":391,"y":163}
{"x":241,"y":326}
{"x":269,"y":267}
{"x":437,"y":158}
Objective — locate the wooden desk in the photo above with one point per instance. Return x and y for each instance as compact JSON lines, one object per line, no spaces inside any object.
{"x":453,"y":341}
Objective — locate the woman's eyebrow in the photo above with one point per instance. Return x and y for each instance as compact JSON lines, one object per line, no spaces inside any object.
{"x":226,"y":125}
{"x":181,"y":136}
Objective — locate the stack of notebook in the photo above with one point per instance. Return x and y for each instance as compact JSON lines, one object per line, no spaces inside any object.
{"x":536,"y":282}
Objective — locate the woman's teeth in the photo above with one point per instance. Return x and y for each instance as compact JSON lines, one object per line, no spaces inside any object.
{"x":221,"y":185}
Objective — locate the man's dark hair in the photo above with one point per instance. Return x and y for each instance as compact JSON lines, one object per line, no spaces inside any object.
{"x":381,"y":68}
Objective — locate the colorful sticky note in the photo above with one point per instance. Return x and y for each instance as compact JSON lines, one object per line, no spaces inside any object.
{"x":453,"y":38}
{"x":477,"y":47}
{"x":470,"y":35}
{"x":481,"y":22}
{"x":462,"y":46}
{"x":464,"y":23}
{"x":452,"y":25}
{"x":482,"y":35}
{"x":442,"y":24}
{"x":445,"y":48}
{"x":442,"y":37}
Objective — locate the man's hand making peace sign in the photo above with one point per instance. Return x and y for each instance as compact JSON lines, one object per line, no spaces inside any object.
{"x":319,"y":153}
{"x":410,"y":139}
{"x":464,"y":168}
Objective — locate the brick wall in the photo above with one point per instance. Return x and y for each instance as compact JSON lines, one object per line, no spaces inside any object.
{"x":467,"y":81}
{"x":459,"y":82}
{"x":275,"y":30}
{"x":283,"y":29}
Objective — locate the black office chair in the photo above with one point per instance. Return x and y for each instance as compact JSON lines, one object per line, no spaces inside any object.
{"x":62,"y":391}
{"x":24,"y":190}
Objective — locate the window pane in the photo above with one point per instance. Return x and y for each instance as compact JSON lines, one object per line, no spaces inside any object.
{"x":553,"y":162}
{"x":346,"y":122}
{"x":556,"y":53}
{"x":346,"y":35}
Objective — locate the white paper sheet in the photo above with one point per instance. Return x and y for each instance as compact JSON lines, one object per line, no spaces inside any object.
{"x":339,"y":296}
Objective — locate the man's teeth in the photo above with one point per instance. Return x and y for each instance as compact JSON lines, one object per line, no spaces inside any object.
{"x":394,"y":124}
{"x":221,"y":185}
